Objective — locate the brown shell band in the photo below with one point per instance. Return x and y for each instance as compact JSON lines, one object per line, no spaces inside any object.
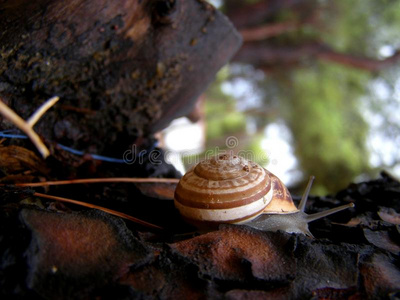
{"x":222,"y":205}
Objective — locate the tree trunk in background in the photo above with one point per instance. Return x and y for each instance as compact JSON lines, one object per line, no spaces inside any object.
{"x":259,"y":23}
{"x":269,"y":56}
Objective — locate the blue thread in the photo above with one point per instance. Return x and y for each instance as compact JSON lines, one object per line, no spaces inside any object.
{"x":108,"y":159}
{"x":94,"y":156}
{"x":72,"y":150}
{"x":12,"y":133}
{"x":7,"y":134}
{"x":9,"y":131}
{"x":13,"y":136}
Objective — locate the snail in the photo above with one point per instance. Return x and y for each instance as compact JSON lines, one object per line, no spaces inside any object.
{"x":223,"y":189}
{"x":230,"y":189}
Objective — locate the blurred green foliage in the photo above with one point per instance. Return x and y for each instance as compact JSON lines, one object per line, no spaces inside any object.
{"x":321,"y":108}
{"x":321,"y":103}
{"x":222,"y":117}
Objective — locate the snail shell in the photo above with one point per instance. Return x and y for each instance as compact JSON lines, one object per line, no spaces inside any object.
{"x":230,"y":189}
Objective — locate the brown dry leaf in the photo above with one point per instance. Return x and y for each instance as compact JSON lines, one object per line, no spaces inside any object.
{"x":164,"y":191}
{"x":361,"y":220}
{"x":389,"y":215}
{"x":15,"y":159}
{"x":382,"y":240}
{"x":354,"y":222}
{"x":22,"y":177}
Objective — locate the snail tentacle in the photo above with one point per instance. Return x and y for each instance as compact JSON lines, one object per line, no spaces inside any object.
{"x":328,"y":212}
{"x":304,"y":199}
{"x":296,"y":222}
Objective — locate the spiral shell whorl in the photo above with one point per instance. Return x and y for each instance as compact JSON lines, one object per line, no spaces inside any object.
{"x":223,"y":167}
{"x":221,"y":187}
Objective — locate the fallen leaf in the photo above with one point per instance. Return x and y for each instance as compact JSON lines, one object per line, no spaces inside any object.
{"x":354,"y":222}
{"x":158,"y":190}
{"x":15,"y":159}
{"x":389,"y":215}
{"x":381,"y":239}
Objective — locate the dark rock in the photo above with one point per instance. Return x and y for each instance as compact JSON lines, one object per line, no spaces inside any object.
{"x":380,"y":276}
{"x":241,"y":254}
{"x":78,"y":252}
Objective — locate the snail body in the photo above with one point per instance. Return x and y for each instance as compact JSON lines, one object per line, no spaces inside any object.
{"x":230,"y":189}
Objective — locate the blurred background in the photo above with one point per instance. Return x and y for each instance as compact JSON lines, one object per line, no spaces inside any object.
{"x":314,"y":90}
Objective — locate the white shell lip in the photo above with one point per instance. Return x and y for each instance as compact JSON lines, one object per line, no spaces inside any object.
{"x":282,"y":212}
{"x":226,"y":214}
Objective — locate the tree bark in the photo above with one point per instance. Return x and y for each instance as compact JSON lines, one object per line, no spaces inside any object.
{"x":132,"y":65}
